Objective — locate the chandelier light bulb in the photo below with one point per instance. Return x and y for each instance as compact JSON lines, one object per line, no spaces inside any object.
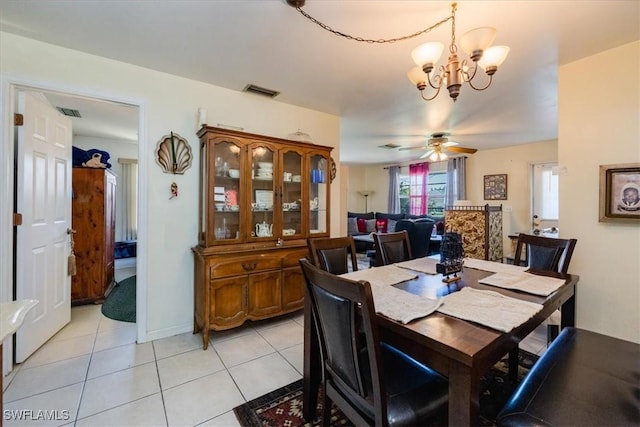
{"x":474,"y":42}
{"x":493,"y":58}
{"x":426,"y":55}
{"x":417,"y":77}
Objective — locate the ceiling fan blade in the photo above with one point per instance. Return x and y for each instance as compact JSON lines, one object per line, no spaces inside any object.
{"x":418,"y":147}
{"x":461,"y":150}
{"x":427,"y":154}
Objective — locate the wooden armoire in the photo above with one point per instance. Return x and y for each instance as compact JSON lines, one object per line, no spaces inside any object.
{"x":94,"y":220}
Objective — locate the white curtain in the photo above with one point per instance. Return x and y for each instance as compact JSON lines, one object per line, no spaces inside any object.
{"x":456,"y":188}
{"x":393,"y":204}
{"x":128,"y":182}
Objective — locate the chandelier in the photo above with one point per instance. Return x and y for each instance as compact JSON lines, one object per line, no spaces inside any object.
{"x":475,"y":43}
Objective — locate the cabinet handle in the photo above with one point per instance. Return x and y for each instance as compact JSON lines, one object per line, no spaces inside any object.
{"x":249,"y":267}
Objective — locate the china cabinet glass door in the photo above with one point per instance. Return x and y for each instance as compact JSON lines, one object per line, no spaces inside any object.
{"x":226,"y":189}
{"x":318,"y":195}
{"x":262,"y":190}
{"x":291,"y":193}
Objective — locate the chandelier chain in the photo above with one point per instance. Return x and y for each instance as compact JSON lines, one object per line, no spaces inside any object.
{"x":453,"y":48}
{"x":372,"y":41}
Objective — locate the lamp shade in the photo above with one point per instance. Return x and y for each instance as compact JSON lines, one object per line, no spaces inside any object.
{"x":417,"y":76}
{"x":427,"y":53}
{"x":477,"y":39}
{"x":494,"y":56}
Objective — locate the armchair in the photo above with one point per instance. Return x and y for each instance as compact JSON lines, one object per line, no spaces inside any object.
{"x":419,"y":235}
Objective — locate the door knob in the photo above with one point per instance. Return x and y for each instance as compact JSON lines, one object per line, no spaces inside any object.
{"x":70,"y":231}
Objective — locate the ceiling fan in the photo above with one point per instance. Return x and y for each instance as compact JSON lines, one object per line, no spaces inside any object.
{"x":437,"y":146}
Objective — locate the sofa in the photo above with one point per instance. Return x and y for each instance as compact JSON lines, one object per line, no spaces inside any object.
{"x":369,"y":222}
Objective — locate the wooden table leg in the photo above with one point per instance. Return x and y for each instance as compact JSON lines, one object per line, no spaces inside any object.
{"x":568,"y":312}
{"x":464,"y":396}
{"x":312,"y":367}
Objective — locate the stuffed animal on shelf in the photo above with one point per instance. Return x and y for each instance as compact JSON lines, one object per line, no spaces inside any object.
{"x":92,"y":158}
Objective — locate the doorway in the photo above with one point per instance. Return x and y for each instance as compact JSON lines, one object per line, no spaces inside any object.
{"x":123,"y":111}
{"x":545,"y":197}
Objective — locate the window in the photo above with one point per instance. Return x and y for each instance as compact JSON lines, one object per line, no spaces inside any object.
{"x":436,"y":191}
{"x":437,"y":187}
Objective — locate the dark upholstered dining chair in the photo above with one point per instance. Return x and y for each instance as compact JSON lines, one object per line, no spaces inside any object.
{"x":333,"y":254}
{"x":371,"y":382}
{"x":545,"y":254}
{"x":392,"y":247}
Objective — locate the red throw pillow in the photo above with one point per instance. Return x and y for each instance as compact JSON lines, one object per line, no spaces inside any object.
{"x":362,"y":225}
{"x":381,"y":225}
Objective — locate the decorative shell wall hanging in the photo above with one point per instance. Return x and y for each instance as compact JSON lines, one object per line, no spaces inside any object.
{"x":173,"y":154}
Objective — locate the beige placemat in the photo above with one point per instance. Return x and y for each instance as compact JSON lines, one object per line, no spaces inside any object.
{"x":494,"y":267}
{"x":525,"y":282}
{"x":423,"y":265}
{"x":385,"y":276}
{"x":401,"y":305}
{"x":488,"y":308}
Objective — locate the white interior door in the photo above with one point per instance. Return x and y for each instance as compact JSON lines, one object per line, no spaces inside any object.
{"x":44,"y":200}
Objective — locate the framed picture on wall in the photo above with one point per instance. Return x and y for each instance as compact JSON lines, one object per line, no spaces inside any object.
{"x":495,"y":187}
{"x":620,"y":193}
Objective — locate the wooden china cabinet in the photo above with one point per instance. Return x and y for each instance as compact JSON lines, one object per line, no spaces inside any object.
{"x":260,"y":199}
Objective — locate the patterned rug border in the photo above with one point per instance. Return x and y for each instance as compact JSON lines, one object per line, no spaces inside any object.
{"x":248,"y":413}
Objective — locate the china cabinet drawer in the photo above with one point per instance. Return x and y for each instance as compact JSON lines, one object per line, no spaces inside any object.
{"x":246,"y":265}
{"x":292,"y":259}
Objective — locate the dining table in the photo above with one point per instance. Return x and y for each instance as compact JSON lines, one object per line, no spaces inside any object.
{"x":461,"y":350}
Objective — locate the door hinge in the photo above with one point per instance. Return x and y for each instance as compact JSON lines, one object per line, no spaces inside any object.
{"x":18,"y":119}
{"x":17,"y":219}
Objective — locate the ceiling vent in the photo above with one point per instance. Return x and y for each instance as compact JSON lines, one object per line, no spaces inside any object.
{"x":261,"y":91}
{"x":389,"y":146}
{"x":69,"y":112}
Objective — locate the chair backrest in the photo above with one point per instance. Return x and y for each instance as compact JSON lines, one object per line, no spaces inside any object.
{"x":419,"y":234}
{"x":343,"y":309}
{"x":545,"y":253}
{"x":333,"y":254}
{"x":392,"y":247}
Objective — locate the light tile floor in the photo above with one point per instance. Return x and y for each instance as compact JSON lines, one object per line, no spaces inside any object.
{"x":92,"y":373}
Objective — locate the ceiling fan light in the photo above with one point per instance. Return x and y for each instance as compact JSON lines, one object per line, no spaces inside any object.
{"x":427,"y":53}
{"x":477,"y":40}
{"x":493,"y":58}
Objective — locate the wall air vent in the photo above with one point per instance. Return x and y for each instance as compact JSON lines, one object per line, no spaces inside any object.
{"x":389,"y":146}
{"x":69,"y":112}
{"x":261,"y":91}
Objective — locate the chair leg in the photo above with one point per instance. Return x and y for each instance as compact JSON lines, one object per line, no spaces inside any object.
{"x":513,"y":364}
{"x":552,"y":333}
{"x":326,"y":408}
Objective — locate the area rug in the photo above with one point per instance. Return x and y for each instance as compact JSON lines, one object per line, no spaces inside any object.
{"x":283,"y":407}
{"x":121,"y":301}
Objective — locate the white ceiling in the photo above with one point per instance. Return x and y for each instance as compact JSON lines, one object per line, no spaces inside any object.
{"x":268,"y":43}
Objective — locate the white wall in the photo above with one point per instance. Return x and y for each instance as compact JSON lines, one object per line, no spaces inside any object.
{"x":598,"y":125}
{"x":168,"y":103}
{"x":516,"y":162}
